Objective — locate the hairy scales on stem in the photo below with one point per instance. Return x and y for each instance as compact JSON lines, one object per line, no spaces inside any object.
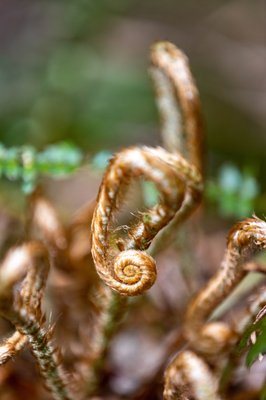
{"x":133,"y":271}
{"x":23,"y":310}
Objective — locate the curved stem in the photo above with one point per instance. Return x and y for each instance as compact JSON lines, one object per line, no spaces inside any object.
{"x":12,"y":346}
{"x":189,"y":377}
{"x":176,"y":173}
{"x":245,"y":239}
{"x":178,"y":102}
{"x":181,"y":125}
{"x":134,"y":271}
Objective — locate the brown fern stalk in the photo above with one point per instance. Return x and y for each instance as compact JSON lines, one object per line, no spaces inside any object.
{"x":189,"y":377}
{"x":111,"y":309}
{"x":160,"y":167}
{"x":11,"y":346}
{"x":23,"y":310}
{"x":178,"y":102}
{"x":256,"y":305}
{"x":67,"y":244}
{"x":244,"y":240}
{"x":63,"y":243}
{"x":210,"y":340}
{"x":169,"y":171}
{"x":181,"y":125}
{"x":127,"y":269}
{"x":123,"y":265}
{"x":131,"y":271}
{"x":44,"y":224}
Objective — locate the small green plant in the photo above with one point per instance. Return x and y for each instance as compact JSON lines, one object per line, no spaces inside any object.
{"x":234,"y":192}
{"x":26,"y":164}
{"x":255,"y":338}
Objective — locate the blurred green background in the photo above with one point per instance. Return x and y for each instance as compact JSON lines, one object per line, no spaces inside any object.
{"x":77,"y":71}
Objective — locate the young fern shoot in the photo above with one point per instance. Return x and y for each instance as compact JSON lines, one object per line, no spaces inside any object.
{"x":176,"y":172}
{"x":176,"y":175}
{"x":132,"y":271}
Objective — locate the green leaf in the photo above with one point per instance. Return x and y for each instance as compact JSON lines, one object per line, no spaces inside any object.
{"x":259,"y":347}
{"x":234,"y":192}
{"x":24,"y":163}
{"x":101,"y":159}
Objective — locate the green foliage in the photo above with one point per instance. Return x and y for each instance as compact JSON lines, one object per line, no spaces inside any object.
{"x":79,"y":98}
{"x":26,"y":164}
{"x":234,"y":192}
{"x":69,"y":86}
{"x":100,"y":160}
{"x":259,"y":346}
